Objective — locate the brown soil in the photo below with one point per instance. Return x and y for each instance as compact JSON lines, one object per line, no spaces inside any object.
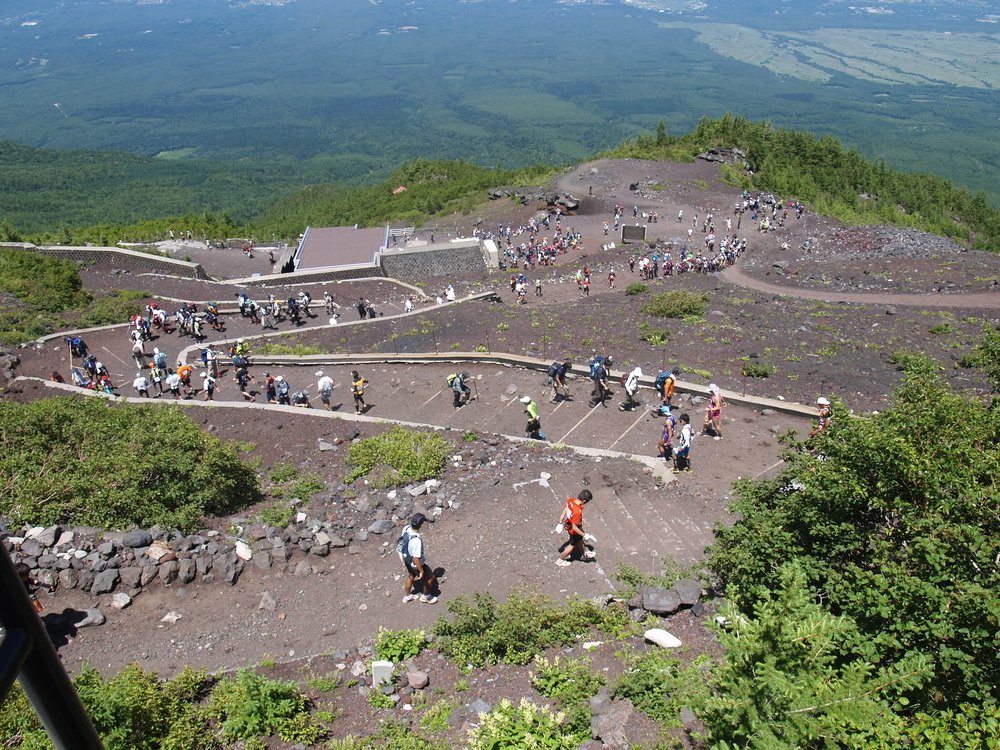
{"x":495,"y":533}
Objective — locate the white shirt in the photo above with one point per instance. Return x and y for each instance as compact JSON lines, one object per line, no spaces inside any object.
{"x":140,"y":384}
{"x":416,"y":545}
{"x":325,"y":384}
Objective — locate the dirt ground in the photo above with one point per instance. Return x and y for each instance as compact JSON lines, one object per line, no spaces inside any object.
{"x":827,"y":324}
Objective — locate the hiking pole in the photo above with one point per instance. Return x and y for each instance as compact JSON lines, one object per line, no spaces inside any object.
{"x":476,"y":387}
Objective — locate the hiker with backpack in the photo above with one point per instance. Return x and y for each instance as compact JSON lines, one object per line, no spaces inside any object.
{"x":533,"y":428}
{"x":666,"y":382}
{"x":682,"y":451}
{"x":413,"y":554}
{"x":324,"y":384}
{"x":600,"y":367}
{"x":461,"y":392}
{"x":557,"y":379}
{"x":282,"y":389}
{"x":631,"y":383}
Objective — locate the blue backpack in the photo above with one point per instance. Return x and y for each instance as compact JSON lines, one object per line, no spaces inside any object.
{"x":596,"y":365}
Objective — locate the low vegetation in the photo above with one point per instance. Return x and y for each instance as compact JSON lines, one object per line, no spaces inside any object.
{"x":397,"y":456}
{"x":38,"y":295}
{"x":676,"y":304}
{"x":86,"y":462}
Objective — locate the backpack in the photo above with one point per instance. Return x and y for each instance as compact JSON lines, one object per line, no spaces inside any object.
{"x":450,"y":380}
{"x":553,"y":369}
{"x":596,"y":364}
{"x":661,"y":379}
{"x":403,"y":546}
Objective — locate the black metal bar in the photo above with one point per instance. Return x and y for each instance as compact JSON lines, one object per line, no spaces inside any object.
{"x":42,"y":676}
{"x":13,"y":650}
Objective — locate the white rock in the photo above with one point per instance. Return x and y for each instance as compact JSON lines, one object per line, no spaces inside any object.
{"x":121,"y":600}
{"x":322,"y":537}
{"x":391,"y":494}
{"x":171,"y":617}
{"x":243,"y":550}
{"x":33,"y":532}
{"x":590,"y":645}
{"x":381,"y":672}
{"x":662,"y":638}
{"x":300,"y":517}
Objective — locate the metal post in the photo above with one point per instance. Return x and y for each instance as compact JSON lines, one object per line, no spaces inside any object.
{"x":42,"y":675}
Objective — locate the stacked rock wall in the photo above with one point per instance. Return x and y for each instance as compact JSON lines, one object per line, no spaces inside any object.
{"x":426,"y":263}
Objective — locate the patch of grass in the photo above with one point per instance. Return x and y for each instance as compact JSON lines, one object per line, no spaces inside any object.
{"x":298,"y":350}
{"x":636,"y":287}
{"x":324,"y":683}
{"x":658,"y":337}
{"x":758,"y":370}
{"x":940,"y":329}
{"x":676,"y":304}
{"x":399,"y":645}
{"x":397,"y":456}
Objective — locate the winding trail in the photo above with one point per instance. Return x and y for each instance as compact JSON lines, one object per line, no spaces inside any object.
{"x":984,"y":300}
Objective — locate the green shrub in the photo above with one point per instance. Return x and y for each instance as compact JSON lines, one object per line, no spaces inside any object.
{"x":657,"y":337}
{"x":133,"y":711}
{"x":659,"y":685}
{"x":636,"y":287}
{"x":522,"y":726}
{"x":572,"y":684}
{"x":484,"y":632}
{"x":41,"y":283}
{"x":81,"y":461}
{"x":378,"y":699}
{"x":757,"y":370}
{"x":399,"y":645}
{"x":324,"y":683}
{"x":676,"y":304}
{"x":252,"y":706}
{"x":117,"y":306}
{"x":397,"y":456}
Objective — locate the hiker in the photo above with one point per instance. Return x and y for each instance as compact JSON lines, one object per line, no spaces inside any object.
{"x":599,"y":370}
{"x":282,"y":389}
{"x":243,"y":379}
{"x":460,"y":390}
{"x":55,"y":377}
{"x":362,"y":308}
{"x":324,"y":384}
{"x":301,"y":399}
{"x":825,"y":415}
{"x":682,"y":451}
{"x":533,"y":428}
{"x":666,"y":382}
{"x":209,"y":383}
{"x":557,"y":379}
{"x":270,"y":388}
{"x":665,"y":448}
{"x":571,"y":521}
{"x":174,"y":384}
{"x":141,"y":385}
{"x":413,"y":554}
{"x":713,"y":413}
{"x":631,"y":384}
{"x":358,"y":384}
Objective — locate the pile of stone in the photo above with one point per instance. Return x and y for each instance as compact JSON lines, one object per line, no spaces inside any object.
{"x":101,"y":562}
{"x":684,"y":594}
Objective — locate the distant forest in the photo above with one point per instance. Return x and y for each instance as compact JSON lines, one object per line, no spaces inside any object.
{"x":104,"y":197}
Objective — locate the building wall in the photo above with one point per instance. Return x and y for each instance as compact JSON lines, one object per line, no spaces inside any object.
{"x":126,"y":258}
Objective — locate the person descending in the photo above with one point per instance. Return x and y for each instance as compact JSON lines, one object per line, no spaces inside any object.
{"x":460,"y":390}
{"x":631,"y":390}
{"x":324,"y":384}
{"x":571,"y":521}
{"x":682,"y":450}
{"x":358,"y":384}
{"x":713,"y":413}
{"x":413,"y":554}
{"x":533,"y":429}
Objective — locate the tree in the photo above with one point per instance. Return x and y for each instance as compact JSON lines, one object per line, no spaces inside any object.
{"x":894,"y":519}
{"x":789,"y":679}
{"x":661,"y":134}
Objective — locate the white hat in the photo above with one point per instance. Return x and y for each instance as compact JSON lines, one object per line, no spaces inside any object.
{"x":823,"y":401}
{"x":713,"y":388}
{"x":279,"y":378}
{"x":319,"y":373}
{"x":525,"y":399}
{"x":204,"y":374}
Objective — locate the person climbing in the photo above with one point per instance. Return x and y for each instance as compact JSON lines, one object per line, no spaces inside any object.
{"x":825,"y":415}
{"x":324,"y":384}
{"x":682,"y":451}
{"x":557,"y":376}
{"x":713,"y":413}
{"x":533,"y":429}
{"x":631,"y":390}
{"x":462,"y":393}
{"x":358,"y":384}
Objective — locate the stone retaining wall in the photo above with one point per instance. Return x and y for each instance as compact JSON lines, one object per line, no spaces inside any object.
{"x":437,"y":262}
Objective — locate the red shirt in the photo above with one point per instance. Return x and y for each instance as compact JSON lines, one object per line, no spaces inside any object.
{"x":574,"y":512}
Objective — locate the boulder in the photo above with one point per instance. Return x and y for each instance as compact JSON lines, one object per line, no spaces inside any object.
{"x":417,"y":679}
{"x":48,"y":536}
{"x":662,"y":638}
{"x":610,"y":727}
{"x":121,"y":600}
{"x":105,"y":582}
{"x":92,"y":616}
{"x":479,"y":706}
{"x":130,"y":578}
{"x":382,"y":526}
{"x":68,"y":578}
{"x":267,"y":602}
{"x":688,"y":590}
{"x":186,"y":570}
{"x":660,"y":601}
{"x":381,"y":672}
{"x":168,"y":572}
{"x":137,"y":538}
